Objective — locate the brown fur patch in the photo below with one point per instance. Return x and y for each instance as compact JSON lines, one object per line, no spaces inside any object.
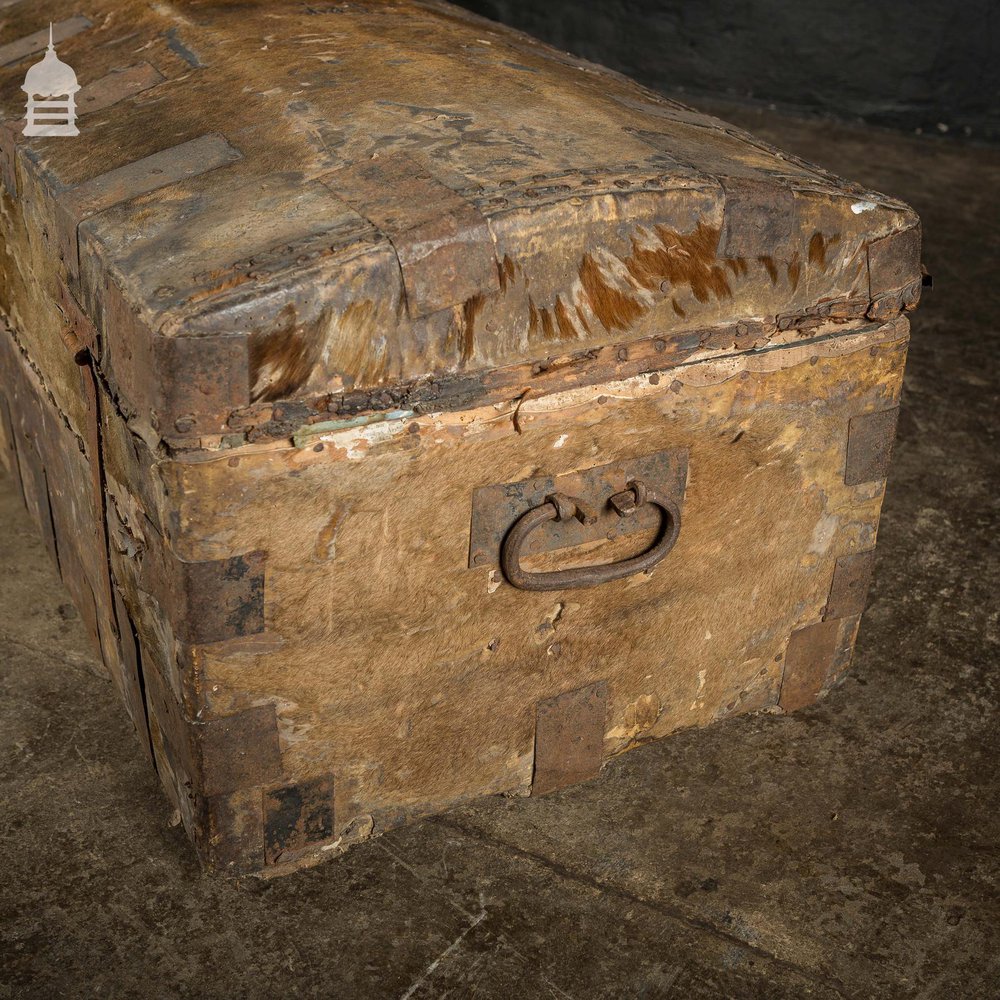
{"x":567,"y":329}
{"x":681,"y":259}
{"x":548,"y":327}
{"x":617,"y":310}
{"x":818,"y":246}
{"x":794,"y":272}
{"x":351,"y":340}
{"x":772,"y":271}
{"x":505,"y":272}
{"x":281,"y":360}
{"x":470,"y":310}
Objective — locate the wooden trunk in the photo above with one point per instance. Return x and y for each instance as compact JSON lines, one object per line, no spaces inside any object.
{"x":338,"y":327}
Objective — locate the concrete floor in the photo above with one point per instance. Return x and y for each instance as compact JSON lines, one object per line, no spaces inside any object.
{"x":850,"y":850}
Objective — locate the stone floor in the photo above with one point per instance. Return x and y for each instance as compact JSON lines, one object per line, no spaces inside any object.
{"x":848,"y":851}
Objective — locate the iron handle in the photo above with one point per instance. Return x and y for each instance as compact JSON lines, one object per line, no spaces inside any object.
{"x":558,"y":508}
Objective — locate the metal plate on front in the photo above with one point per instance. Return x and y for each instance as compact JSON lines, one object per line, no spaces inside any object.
{"x":759,"y":218}
{"x":442,"y":242}
{"x":870,"y":438}
{"x":815,"y":656}
{"x":894,"y":261}
{"x":569,"y":738}
{"x":849,"y":589}
{"x":298,"y":816}
{"x":496,"y":508}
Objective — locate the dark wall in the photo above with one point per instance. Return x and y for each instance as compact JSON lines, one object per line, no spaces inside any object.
{"x":925,"y":64}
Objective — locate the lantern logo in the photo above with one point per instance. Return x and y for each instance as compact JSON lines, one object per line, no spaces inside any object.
{"x":51,"y":88}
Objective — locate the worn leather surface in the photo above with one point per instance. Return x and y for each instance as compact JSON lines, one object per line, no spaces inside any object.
{"x":350,"y":195}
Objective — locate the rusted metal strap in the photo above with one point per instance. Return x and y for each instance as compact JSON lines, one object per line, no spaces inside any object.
{"x":870,"y":437}
{"x":230,"y":833}
{"x":14,"y":52}
{"x":849,"y":590}
{"x":894,"y":273}
{"x":220,"y":755}
{"x":134,"y":179}
{"x":759,"y":218}
{"x":297,"y":817}
{"x":814,"y":658}
{"x":192,"y":383}
{"x":443,"y":244}
{"x":569,"y":738}
{"x":220,"y":599}
{"x":244,"y":829}
{"x":118,"y":85}
{"x":108,"y":90}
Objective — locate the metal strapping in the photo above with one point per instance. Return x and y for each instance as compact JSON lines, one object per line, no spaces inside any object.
{"x":443,"y":244}
{"x":14,"y":52}
{"x":133,"y":179}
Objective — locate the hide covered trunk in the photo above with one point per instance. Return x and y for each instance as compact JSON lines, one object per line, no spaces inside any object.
{"x":415,"y":412}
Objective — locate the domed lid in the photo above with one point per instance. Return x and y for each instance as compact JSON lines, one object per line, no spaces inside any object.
{"x":50,"y":77}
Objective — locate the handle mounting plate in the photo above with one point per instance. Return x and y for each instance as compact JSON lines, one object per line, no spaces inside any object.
{"x":496,"y":508}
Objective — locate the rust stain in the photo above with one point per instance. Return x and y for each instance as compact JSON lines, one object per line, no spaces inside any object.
{"x":324,"y":549}
{"x":281,"y":360}
{"x":220,"y":280}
